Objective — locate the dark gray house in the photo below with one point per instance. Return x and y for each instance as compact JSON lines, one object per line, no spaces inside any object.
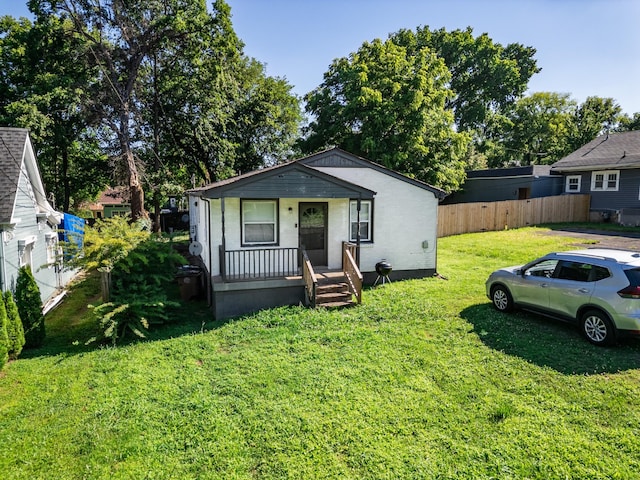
{"x":515,"y":183}
{"x":608,"y":169}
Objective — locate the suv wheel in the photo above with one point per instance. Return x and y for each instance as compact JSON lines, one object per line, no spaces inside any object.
{"x":597,"y":328}
{"x":501,"y":298}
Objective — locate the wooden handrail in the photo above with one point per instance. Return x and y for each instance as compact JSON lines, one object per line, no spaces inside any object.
{"x":310,"y":279}
{"x":351,"y":271}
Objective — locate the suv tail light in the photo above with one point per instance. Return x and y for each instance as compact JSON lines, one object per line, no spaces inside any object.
{"x":632,"y":291}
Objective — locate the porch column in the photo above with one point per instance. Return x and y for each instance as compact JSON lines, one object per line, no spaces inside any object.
{"x":358,"y":204}
{"x":223,"y":248}
{"x":224,"y":241}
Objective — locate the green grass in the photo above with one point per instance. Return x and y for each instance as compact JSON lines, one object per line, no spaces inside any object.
{"x":423,"y":380}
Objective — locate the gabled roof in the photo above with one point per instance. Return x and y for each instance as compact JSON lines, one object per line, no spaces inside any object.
{"x":12,"y":145}
{"x":301,"y":179}
{"x":16,"y":154}
{"x":287,"y":180}
{"x":609,"y":151}
{"x":336,"y":157}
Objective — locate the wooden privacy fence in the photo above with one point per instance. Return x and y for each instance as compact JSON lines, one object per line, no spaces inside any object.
{"x":492,"y":216}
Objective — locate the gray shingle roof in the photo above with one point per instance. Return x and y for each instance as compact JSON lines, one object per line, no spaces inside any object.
{"x":613,"y":150}
{"x":12,"y":145}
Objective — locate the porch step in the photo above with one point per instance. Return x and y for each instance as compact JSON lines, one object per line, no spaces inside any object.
{"x":333,"y":295}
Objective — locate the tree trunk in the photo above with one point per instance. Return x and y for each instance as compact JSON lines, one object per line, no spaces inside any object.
{"x":135,"y":189}
{"x":66,"y":184}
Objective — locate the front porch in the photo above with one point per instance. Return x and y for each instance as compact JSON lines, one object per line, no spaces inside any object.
{"x":257,"y":279}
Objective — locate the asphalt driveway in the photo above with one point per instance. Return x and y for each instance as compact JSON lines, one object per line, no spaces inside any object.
{"x":604,"y":238}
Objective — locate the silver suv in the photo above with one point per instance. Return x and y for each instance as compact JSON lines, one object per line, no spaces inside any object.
{"x":598,"y":289}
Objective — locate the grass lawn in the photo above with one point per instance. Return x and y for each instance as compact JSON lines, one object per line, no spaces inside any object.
{"x":423,"y":380}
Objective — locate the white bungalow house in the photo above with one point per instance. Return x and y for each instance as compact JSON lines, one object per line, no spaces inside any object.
{"x":272,"y":236}
{"x":28,"y":223}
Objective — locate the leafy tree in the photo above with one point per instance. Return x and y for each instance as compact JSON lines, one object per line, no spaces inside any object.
{"x":44,"y":87}
{"x":486,"y":77}
{"x":122,"y":36}
{"x":627,"y":123}
{"x":15,"y":330}
{"x":214,"y":111}
{"x":538,"y":131}
{"x":29,"y":306}
{"x":592,"y":118}
{"x":4,"y":337}
{"x":388,"y":104}
{"x":266,"y":120}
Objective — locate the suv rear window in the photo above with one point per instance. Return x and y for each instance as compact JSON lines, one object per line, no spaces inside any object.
{"x":633,"y":275}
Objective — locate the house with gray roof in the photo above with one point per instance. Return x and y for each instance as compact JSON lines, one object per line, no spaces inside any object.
{"x":608,"y":169}
{"x":312,"y":230}
{"x":511,"y":183}
{"x":28,"y":223}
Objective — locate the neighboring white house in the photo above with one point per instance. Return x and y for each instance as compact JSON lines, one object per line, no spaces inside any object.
{"x":250,"y":231}
{"x":28,"y":223}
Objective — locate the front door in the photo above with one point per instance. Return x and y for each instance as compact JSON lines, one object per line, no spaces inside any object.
{"x":313,"y":231}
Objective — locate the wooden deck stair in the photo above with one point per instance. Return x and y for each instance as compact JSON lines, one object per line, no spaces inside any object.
{"x":332,"y":291}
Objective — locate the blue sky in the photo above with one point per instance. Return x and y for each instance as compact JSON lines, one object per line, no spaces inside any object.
{"x":584,"y":47}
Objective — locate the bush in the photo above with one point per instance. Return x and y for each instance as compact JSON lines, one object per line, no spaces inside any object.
{"x":15,"y":330}
{"x":139,"y":282}
{"x":4,"y":338}
{"x":108,"y":241}
{"x":30,"y":308}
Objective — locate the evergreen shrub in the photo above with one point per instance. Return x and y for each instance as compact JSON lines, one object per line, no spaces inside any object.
{"x":30,"y":308}
{"x":4,"y":338}
{"x":15,"y":330}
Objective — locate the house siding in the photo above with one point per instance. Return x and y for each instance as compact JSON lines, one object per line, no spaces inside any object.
{"x":505,"y":188}
{"x":28,"y":226}
{"x":404,"y":216}
{"x":627,"y":196}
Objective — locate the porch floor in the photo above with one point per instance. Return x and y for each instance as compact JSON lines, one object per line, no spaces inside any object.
{"x":323,"y":274}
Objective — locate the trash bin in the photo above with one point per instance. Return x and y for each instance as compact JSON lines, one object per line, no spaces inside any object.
{"x":190,"y":281}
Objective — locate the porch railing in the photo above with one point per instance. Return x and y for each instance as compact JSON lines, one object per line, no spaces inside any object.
{"x":352,"y":273}
{"x":310,"y":280}
{"x":257,"y":264}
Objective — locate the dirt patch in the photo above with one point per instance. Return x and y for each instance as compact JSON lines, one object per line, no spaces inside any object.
{"x":601,"y":238}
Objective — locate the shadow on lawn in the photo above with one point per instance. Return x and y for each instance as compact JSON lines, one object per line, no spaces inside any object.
{"x":549,"y":343}
{"x":190,"y":318}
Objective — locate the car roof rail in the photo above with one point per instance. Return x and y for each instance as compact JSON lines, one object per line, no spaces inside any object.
{"x":585,"y":253}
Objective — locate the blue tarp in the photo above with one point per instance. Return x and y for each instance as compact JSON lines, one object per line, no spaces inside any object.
{"x":71,"y":230}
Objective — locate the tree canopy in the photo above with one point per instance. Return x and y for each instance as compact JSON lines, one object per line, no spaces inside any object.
{"x":162,"y":87}
{"x":158,"y":95}
{"x":388,"y":104}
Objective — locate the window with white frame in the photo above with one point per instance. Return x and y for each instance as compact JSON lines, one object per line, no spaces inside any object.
{"x":259,"y":222}
{"x":573,"y":184}
{"x":366,"y":210}
{"x":605,"y":181}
